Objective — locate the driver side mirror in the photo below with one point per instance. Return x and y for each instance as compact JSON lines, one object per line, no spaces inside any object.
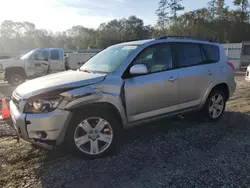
{"x":138,"y":69}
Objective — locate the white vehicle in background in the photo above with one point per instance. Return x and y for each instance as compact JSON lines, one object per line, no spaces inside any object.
{"x":77,"y":59}
{"x":238,"y":54}
{"x":40,"y":62}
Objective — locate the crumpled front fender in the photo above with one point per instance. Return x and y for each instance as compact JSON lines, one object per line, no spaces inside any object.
{"x":83,"y":96}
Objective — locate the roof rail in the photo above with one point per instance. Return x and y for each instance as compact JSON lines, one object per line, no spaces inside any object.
{"x":183,"y":37}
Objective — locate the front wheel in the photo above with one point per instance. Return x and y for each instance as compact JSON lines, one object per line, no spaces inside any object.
{"x":215,"y":105}
{"x":16,"y":79}
{"x":93,"y":135}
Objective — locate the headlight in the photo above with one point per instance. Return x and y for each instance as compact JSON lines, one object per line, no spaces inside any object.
{"x":42,"y":105}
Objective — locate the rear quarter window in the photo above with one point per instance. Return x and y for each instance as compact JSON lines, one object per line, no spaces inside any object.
{"x":211,"y":52}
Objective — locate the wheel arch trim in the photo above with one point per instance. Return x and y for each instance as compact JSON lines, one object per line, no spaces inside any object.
{"x":10,"y":69}
{"x":209,"y":90}
{"x":99,"y":99}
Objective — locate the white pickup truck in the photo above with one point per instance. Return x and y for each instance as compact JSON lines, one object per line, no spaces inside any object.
{"x":40,"y":62}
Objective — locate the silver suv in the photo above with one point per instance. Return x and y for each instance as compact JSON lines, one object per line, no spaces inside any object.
{"x":126,"y":84}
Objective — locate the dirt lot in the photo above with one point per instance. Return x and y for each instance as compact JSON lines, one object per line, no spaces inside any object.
{"x":176,"y":152}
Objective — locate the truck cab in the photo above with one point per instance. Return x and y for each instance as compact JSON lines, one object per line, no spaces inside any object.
{"x":36,"y":63}
{"x":45,"y":61}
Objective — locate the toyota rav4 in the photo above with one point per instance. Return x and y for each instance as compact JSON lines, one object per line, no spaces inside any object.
{"x":126,"y":84}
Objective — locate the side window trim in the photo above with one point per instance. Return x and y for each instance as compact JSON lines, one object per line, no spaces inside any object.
{"x":50,"y":54}
{"x":203,"y":55}
{"x":126,"y":72}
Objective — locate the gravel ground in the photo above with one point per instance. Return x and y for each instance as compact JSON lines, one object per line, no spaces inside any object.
{"x":176,"y":152}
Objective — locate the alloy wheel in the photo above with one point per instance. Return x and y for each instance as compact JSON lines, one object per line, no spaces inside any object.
{"x":216,"y":106}
{"x":93,"y":136}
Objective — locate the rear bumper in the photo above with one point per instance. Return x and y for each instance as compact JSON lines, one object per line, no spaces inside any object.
{"x":30,"y":126}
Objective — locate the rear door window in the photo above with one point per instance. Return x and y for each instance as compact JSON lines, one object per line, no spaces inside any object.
{"x":187,"y":54}
{"x":211,"y":53}
{"x":54,"y":55}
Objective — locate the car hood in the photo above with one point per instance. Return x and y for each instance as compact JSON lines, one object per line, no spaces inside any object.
{"x":63,"y":80}
{"x":10,"y":59}
{"x":11,"y":62}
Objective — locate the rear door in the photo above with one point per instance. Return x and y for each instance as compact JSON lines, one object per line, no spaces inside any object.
{"x":56,"y":63}
{"x":194,"y":71}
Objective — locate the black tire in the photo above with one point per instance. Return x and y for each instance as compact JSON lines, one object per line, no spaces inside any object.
{"x":12,"y":78}
{"x":208,"y":114}
{"x":78,"y":118}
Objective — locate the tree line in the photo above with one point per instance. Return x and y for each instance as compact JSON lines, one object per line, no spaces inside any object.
{"x":214,"y":21}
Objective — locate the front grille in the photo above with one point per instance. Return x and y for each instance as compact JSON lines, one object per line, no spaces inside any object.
{"x":16,"y":99}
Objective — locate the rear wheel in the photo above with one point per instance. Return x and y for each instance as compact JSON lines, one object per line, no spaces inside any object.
{"x":93,"y":135}
{"x":215,"y":105}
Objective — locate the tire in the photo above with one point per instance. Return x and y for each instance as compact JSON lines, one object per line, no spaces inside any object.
{"x":15,"y":79}
{"x":214,"y":110}
{"x":78,"y":132}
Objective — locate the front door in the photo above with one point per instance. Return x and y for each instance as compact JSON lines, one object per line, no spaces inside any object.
{"x":56,"y":61}
{"x":157,"y":92}
{"x":39,"y":63}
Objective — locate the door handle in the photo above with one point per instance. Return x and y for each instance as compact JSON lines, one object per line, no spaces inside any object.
{"x":172,"y":79}
{"x":209,"y":72}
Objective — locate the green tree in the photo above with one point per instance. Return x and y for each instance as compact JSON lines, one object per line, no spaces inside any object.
{"x":212,"y":8}
{"x":117,"y":31}
{"x":167,"y":14}
{"x":162,"y":14}
{"x":175,"y":6}
{"x":243,"y":7}
{"x":220,"y":9}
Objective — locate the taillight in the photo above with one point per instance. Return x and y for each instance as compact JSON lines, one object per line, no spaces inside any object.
{"x":231,"y":65}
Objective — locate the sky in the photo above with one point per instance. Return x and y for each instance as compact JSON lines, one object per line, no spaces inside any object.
{"x":60,"y":15}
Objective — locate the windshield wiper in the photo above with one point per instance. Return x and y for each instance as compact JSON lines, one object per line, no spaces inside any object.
{"x":85,"y":70}
{"x":94,"y":72}
{"x":102,"y":72}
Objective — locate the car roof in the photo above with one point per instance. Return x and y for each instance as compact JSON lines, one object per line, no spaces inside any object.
{"x":137,"y":42}
{"x":169,"y":39}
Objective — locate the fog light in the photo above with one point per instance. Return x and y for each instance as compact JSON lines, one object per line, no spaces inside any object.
{"x":41,"y":134}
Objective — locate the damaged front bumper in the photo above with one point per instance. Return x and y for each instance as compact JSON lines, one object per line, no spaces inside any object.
{"x":47,"y":129}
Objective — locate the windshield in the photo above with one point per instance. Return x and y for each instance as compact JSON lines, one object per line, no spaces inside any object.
{"x":25,"y":56}
{"x":109,"y":59}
